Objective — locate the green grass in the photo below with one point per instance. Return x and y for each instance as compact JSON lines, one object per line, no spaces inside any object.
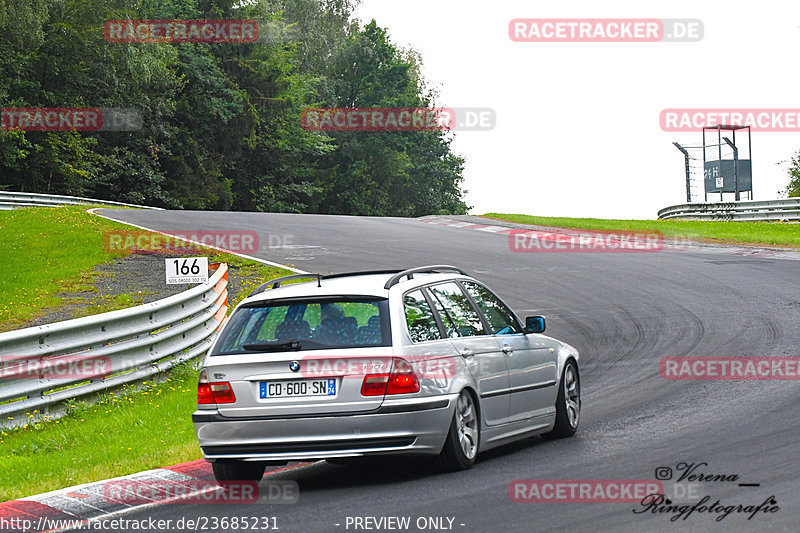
{"x":147,"y":426}
{"x":45,"y":251}
{"x":105,"y":304}
{"x":757,"y":233}
{"x":48,"y":251}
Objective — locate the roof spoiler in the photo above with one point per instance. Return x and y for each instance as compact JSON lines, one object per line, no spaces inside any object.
{"x":275,"y":283}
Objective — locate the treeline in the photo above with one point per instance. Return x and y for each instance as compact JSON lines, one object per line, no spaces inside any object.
{"x":221,"y":125}
{"x":793,"y":188}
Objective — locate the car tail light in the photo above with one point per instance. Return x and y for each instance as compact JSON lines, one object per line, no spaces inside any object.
{"x":402,"y":380}
{"x":213,"y":393}
{"x":374,"y":385}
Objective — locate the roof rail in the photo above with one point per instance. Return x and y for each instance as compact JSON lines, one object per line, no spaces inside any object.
{"x":275,"y":283}
{"x":394,"y":280}
{"x":361,"y":273}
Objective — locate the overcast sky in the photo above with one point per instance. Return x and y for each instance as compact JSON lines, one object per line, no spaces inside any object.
{"x":578,"y":130}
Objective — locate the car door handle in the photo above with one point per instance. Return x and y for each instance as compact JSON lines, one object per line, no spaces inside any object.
{"x":467,"y":352}
{"x":508,"y":350}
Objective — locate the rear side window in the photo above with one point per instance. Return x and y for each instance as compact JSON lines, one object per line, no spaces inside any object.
{"x":458,"y":309}
{"x":419,"y":317}
{"x":499,"y":316}
{"x":449,"y":327}
{"x":311,"y":325}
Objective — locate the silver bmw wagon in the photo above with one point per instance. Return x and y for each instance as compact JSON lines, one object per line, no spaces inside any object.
{"x":421,"y":361}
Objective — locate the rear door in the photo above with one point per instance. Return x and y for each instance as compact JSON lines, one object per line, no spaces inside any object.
{"x":430,"y":352}
{"x":480,"y":350}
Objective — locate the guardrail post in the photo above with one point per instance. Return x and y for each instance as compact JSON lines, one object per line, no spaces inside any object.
{"x":212,"y":267}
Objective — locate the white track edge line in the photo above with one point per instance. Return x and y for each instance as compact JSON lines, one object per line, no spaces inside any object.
{"x":250,"y":257}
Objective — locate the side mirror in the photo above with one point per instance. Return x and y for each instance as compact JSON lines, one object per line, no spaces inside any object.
{"x":535,"y":324}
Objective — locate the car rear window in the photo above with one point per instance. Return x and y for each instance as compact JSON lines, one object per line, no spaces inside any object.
{"x":306,"y":325}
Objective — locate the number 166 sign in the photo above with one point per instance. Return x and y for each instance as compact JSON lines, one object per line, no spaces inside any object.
{"x":187,"y":270}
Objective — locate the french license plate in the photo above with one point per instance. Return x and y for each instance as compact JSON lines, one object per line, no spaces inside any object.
{"x":297,"y":388}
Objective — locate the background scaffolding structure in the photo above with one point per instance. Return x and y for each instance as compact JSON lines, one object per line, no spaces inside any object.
{"x":719,"y":165}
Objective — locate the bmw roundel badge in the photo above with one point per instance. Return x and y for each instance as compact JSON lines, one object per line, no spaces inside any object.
{"x":294,"y":366}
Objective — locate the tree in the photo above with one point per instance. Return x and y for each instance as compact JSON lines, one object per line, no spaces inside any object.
{"x":793,"y":189}
{"x":380,"y":173}
{"x":222,"y":125}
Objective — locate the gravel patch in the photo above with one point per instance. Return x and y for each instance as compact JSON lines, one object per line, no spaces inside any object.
{"x":139,"y":275}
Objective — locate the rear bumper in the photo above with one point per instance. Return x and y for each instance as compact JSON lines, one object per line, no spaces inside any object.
{"x":406,"y":426}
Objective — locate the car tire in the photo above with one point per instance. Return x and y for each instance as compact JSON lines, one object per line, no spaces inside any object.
{"x":568,"y":403}
{"x":461,"y":446}
{"x":238,"y":470}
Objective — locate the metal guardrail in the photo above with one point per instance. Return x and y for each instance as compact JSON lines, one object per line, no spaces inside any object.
{"x":43,"y":366}
{"x":787,"y":209}
{"x":15,"y":200}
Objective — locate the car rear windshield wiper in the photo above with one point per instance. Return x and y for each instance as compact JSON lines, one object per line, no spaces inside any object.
{"x":283,"y":346}
{"x":273,"y":346}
